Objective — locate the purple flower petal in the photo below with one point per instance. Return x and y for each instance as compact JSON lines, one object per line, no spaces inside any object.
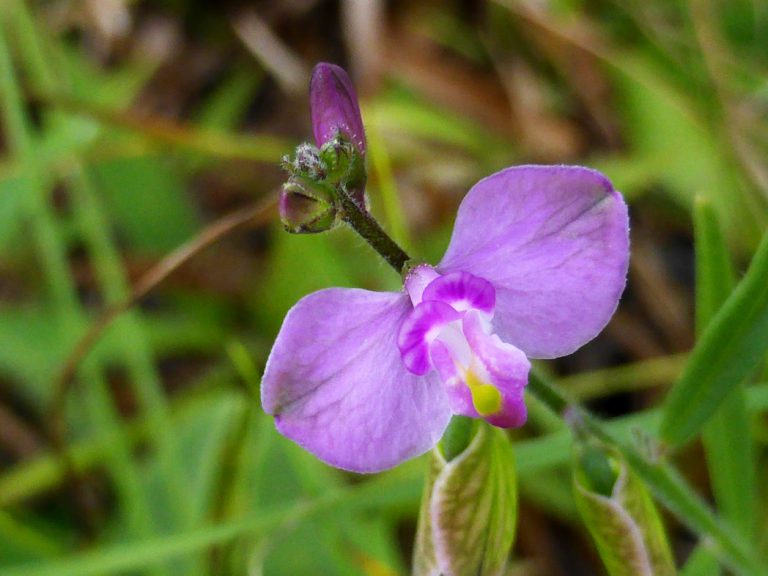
{"x":553,"y":241}
{"x":506,"y":369}
{"x":419,"y":330}
{"x":337,"y":386}
{"x":334,"y":107}
{"x":462,"y":292}
{"x":459,"y":395}
{"x":417,"y":280}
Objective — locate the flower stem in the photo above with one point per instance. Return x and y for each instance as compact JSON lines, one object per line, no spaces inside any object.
{"x":365,"y":225}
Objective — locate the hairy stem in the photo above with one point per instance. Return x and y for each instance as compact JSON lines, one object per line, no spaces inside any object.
{"x":365,"y":225}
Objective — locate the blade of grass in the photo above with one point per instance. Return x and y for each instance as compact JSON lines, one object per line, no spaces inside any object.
{"x":701,"y":562}
{"x":210,"y":142}
{"x":50,"y":471}
{"x":40,"y":214}
{"x":732,"y":470}
{"x":729,"y":349}
{"x":20,"y":536}
{"x":36,"y":476}
{"x":135,"y":352}
{"x":537,"y":455}
{"x":625,"y":378}
{"x":231,"y":481}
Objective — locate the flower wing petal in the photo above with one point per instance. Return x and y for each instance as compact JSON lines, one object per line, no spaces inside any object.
{"x":336,"y":384}
{"x":553,"y":241}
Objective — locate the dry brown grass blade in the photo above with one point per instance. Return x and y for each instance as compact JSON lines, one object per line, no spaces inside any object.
{"x":252,"y":215}
{"x":287,"y":67}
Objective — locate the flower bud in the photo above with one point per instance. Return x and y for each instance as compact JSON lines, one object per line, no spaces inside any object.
{"x":306,"y":207}
{"x":338,"y":128}
{"x":620,"y":515}
{"x":334,"y":107}
{"x":469,"y":509}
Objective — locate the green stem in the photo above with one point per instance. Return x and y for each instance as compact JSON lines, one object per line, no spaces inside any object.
{"x":365,"y":225}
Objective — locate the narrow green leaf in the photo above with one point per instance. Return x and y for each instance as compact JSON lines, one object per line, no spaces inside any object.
{"x":620,"y":515}
{"x":467,"y":525}
{"x":94,"y":227}
{"x":387,"y":187}
{"x":715,"y":277}
{"x":701,"y":562}
{"x":22,"y":540}
{"x":732,"y":345}
{"x":732,"y":471}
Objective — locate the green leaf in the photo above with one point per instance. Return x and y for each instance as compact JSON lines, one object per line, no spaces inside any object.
{"x":732,"y":471}
{"x":621,"y":516}
{"x":21,"y":540}
{"x":731,"y":347}
{"x":701,"y":562}
{"x":715,"y":278}
{"x":469,"y":510}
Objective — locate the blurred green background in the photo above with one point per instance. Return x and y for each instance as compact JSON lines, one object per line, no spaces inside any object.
{"x":132,"y":127}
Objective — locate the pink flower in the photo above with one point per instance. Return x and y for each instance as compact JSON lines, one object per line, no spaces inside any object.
{"x":535,"y":268}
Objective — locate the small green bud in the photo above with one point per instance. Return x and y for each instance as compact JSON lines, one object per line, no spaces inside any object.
{"x":306,"y":207}
{"x":599,"y":472}
{"x":620,"y":514}
{"x":457,"y":436}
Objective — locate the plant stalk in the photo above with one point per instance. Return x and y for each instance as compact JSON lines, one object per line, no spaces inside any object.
{"x":365,"y":225}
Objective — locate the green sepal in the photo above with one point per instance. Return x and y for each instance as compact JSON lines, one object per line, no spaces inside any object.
{"x":311,"y":200}
{"x":344,"y":167}
{"x":469,"y":509}
{"x":620,"y":515}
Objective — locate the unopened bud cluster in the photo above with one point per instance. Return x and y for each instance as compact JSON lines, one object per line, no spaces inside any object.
{"x":334,"y":166}
{"x":309,"y":201}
